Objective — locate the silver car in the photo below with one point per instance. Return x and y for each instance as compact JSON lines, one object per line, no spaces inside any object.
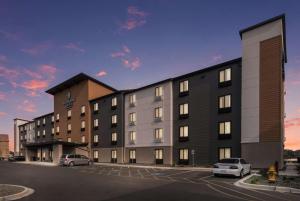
{"x":74,"y":159}
{"x":232,"y":166}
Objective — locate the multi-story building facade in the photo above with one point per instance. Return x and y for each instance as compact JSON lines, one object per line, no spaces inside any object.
{"x":107,"y":128}
{"x":232,"y":109}
{"x":4,"y":146}
{"x":148,"y":124}
{"x":18,"y":122}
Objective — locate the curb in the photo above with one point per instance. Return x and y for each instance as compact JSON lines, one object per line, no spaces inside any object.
{"x":26,"y":192}
{"x":156,"y":167}
{"x":241,"y":183}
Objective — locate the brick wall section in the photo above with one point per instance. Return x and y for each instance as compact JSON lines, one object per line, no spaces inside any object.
{"x":271,"y":89}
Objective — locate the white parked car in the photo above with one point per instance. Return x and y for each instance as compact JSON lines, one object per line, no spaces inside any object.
{"x":232,"y":166}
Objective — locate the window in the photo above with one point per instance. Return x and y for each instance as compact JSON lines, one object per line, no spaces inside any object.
{"x":184,"y":110}
{"x":96,"y":123}
{"x":69,"y":114}
{"x":184,"y":86}
{"x":69,"y":127}
{"x":158,"y":112}
{"x":114,"y":102}
{"x":114,"y":119}
{"x":158,"y":91}
{"x":183,"y":131}
{"x":225,"y":128}
{"x":69,"y":139}
{"x":114,"y":137}
{"x":225,"y":103}
{"x":57,"y":129}
{"x":225,"y":75}
{"x":44,"y":121}
{"x":132,"y":118}
{"x":224,"y":153}
{"x":132,"y":99}
{"x":38,"y":134}
{"x":158,"y":154}
{"x":96,"y":107}
{"x":96,"y":138}
{"x":132,"y":156}
{"x":114,"y":154}
{"x":38,"y":123}
{"x":183,"y":154}
{"x":82,"y":110}
{"x":52,"y":118}
{"x":158,"y":134}
{"x":96,"y":154}
{"x":57,"y":117}
{"x":82,"y":125}
{"x":52,"y":131}
{"x":44,"y":132}
{"x":83,"y":139}
{"x":132,"y":137}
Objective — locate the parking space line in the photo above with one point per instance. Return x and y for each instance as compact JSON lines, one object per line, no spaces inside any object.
{"x":140,"y":173}
{"x":178,"y":173}
{"x":229,"y":195}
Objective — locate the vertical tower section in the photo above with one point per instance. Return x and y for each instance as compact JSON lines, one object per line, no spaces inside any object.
{"x":262,"y":109}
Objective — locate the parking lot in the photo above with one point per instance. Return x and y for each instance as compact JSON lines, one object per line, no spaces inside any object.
{"x":115,"y":183}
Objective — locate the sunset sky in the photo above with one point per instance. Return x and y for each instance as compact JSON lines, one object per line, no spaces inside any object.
{"x":128,"y":44}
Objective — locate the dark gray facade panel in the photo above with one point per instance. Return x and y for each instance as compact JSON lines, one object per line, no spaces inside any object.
{"x":47,"y":127}
{"x":204,"y":117}
{"x":104,"y":116}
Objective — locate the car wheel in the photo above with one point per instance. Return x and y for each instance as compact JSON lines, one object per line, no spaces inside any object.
{"x":242,"y":173}
{"x":71,"y":164}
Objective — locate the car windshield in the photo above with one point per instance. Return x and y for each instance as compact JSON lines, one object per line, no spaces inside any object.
{"x":229,"y":160}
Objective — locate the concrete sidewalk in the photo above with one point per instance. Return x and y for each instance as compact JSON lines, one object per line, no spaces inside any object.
{"x":156,"y":167}
{"x":291,"y":170}
{"x":37,"y":163}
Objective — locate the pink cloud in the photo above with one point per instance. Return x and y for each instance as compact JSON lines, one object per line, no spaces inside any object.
{"x":126,"y":49}
{"x":35,"y":84}
{"x":27,"y":106}
{"x":2,"y":114}
{"x":101,"y":73}
{"x":49,"y":70}
{"x":33,"y":74}
{"x":8,"y":73}
{"x":2,"y":96}
{"x":136,"y":18}
{"x":10,"y":35}
{"x":37,"y":49}
{"x":132,"y":10}
{"x":292,"y":122}
{"x":130,"y":24}
{"x":3,"y":58}
{"x":75,"y":47}
{"x":133,"y":64}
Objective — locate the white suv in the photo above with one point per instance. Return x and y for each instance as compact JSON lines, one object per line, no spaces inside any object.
{"x":232,"y":166}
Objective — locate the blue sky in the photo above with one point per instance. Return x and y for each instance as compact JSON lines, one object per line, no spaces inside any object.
{"x":127,"y":44}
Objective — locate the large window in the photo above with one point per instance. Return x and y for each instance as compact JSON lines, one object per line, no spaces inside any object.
{"x":225,"y":128}
{"x":82,"y":110}
{"x":159,"y":156}
{"x":57,"y":117}
{"x":132,"y":118}
{"x":132,"y":137}
{"x":114,"y":102}
{"x":44,"y":121}
{"x":69,"y":114}
{"x":38,"y":134}
{"x":69,"y":127}
{"x":132,"y":99}
{"x":184,"y":86}
{"x":82,"y":125}
{"x":114,"y":119}
{"x":183,"y":132}
{"x":96,"y":123}
{"x":44,"y":133}
{"x":83,"y":139}
{"x":225,"y":103}
{"x":132,"y":156}
{"x":158,"y":91}
{"x":52,"y":131}
{"x":114,"y":137}
{"x":52,"y":118}
{"x":38,"y":123}
{"x":224,"y":153}
{"x":114,"y":154}
{"x":96,"y":107}
{"x":69,"y":139}
{"x":158,"y":134}
{"x":96,"y":155}
{"x":225,"y":75}
{"x":96,"y":138}
{"x":57,"y":129}
{"x":184,"y":110}
{"x":183,"y":156}
{"x":158,"y":112}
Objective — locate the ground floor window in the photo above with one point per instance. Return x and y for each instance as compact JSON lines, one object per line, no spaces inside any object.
{"x":224,"y":152}
{"x":44,"y":155}
{"x":69,"y":139}
{"x":83,"y":139}
{"x":114,"y":156}
{"x":159,"y":156}
{"x":132,"y":156}
{"x":183,"y":156}
{"x":96,"y":156}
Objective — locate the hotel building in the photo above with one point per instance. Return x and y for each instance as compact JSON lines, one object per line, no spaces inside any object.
{"x":232,"y":109}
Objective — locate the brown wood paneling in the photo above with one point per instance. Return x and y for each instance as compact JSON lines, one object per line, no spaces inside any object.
{"x":271,"y":90}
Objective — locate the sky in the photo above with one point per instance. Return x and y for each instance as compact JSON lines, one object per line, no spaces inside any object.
{"x":128,"y":44}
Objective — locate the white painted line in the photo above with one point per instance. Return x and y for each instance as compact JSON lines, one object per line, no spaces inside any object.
{"x":206,"y":177}
{"x":178,"y":173}
{"x":229,"y":195}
